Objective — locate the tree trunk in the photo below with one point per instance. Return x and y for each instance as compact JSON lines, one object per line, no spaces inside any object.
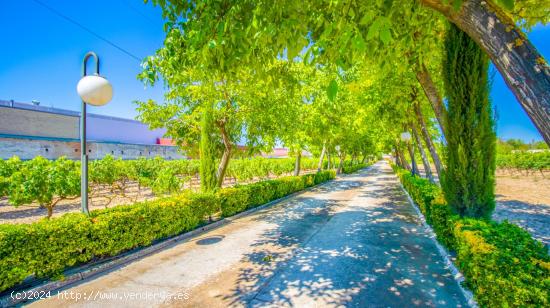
{"x":364,"y":158}
{"x":328,"y":160}
{"x":225,"y":157}
{"x":428,"y":139}
{"x":425,"y":80}
{"x":341,"y":163}
{"x":320,"y":165}
{"x":396,"y":157}
{"x":297,"y":163}
{"x":525,"y":71}
{"x":425,"y":161}
{"x":404,"y":162}
{"x":413,"y":161}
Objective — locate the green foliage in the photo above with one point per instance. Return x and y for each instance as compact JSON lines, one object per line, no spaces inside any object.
{"x":332,"y":90}
{"x":7,"y":168}
{"x":528,"y":13}
{"x":349,"y":167}
{"x":45,"y":182}
{"x":503,"y":265}
{"x":209,"y":182}
{"x":524,"y":161}
{"x":167,"y":181}
{"x":48,"y":182}
{"x":468,"y":180}
{"x":46,"y":248}
{"x":259,"y":167}
{"x":112,"y":174}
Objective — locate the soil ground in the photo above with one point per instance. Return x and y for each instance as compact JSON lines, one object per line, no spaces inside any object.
{"x":525,"y":200}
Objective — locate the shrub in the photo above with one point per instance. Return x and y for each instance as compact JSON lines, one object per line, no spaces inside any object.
{"x":45,"y":182}
{"x":46,"y":248}
{"x":352,"y":168}
{"x":503,"y":265}
{"x":443,"y":221}
{"x":233,"y":200}
{"x":7,"y":168}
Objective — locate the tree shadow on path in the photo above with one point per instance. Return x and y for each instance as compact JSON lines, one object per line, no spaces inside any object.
{"x":369,"y":250}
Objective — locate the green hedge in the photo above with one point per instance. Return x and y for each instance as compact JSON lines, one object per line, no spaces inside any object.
{"x":503,"y":265}
{"x":48,"y":247}
{"x":352,"y":168}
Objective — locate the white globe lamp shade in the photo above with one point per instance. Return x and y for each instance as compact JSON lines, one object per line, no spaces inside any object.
{"x":95,"y":90}
{"x":406,"y":136}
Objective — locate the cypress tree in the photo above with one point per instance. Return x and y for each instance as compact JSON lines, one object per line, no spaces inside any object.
{"x":207,"y":151}
{"x":469,"y":179}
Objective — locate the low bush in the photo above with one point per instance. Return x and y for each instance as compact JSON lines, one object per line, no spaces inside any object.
{"x":48,"y":247}
{"x":503,"y":265}
{"x":353,"y":167}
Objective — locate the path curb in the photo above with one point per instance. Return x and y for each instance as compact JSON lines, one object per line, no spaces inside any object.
{"x":457,"y":275}
{"x":86,"y":271}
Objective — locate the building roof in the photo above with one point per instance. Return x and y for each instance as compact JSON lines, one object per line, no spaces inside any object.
{"x":33,"y":107}
{"x":32,"y":120}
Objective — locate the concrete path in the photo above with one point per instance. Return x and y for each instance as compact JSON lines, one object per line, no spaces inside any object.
{"x":355,"y":241}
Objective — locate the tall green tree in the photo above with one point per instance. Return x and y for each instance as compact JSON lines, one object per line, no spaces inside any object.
{"x":469,"y":177}
{"x":209,"y":181}
{"x":224,"y":34}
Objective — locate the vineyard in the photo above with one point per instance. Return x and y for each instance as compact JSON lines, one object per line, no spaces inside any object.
{"x":524,"y":162}
{"x":47,"y":183}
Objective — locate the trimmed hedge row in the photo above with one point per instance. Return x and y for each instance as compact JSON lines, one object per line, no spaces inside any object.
{"x":48,"y":247}
{"x":353,"y":168}
{"x":503,"y":265}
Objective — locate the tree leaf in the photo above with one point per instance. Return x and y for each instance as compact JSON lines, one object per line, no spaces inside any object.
{"x":507,"y":4}
{"x":457,"y":4}
{"x":332,"y":90}
{"x":359,"y":43}
{"x":374,"y":29}
{"x":385,"y":36}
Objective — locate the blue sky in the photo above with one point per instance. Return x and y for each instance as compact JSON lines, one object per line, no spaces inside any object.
{"x":41,"y":56}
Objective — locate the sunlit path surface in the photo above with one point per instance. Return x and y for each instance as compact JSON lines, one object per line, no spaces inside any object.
{"x":355,"y":241}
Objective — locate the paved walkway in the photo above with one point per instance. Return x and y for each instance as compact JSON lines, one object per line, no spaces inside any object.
{"x":355,"y":241}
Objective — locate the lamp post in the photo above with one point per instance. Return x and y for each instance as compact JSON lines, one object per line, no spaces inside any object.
{"x":406,"y":137}
{"x":96,"y":91}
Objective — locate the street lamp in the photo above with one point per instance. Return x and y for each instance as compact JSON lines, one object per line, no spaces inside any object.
{"x":406,"y":137}
{"x":96,"y":91}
